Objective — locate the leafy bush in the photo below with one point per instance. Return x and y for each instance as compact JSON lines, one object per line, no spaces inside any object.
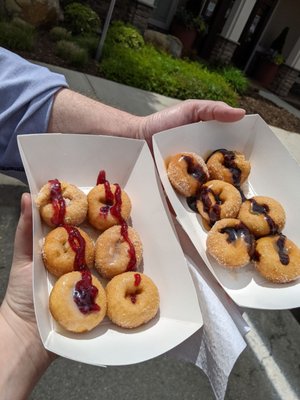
{"x":59,"y":33}
{"x":149,"y":69}
{"x":125,"y":35}
{"x":80,"y":19}
{"x":71,"y":53}
{"x":88,"y":42}
{"x":20,"y":23}
{"x":236,"y":78}
{"x":16,"y":37}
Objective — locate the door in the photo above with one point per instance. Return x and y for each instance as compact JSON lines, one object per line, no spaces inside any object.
{"x":163,"y":13}
{"x":253,"y":30}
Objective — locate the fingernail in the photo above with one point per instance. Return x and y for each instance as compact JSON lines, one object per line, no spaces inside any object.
{"x":23,"y":202}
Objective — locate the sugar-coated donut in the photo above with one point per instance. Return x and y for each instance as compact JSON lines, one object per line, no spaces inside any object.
{"x":217,"y":200}
{"x":61,"y":203}
{"x":67,"y":249}
{"x":132,"y":299}
{"x":187,"y":171}
{"x":229,"y":166}
{"x":231,"y":243}
{"x":262,"y":215}
{"x":78,"y":301}
{"x":108,"y":205}
{"x":277,"y":259}
{"x":118,"y":249}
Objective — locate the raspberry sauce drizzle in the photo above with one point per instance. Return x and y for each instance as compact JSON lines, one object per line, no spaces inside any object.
{"x":58,"y":202}
{"x":137,"y":281}
{"x":85,"y":292}
{"x":114,"y":204}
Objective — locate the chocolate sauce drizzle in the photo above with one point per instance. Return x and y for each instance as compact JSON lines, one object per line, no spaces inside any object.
{"x":281,"y":249}
{"x":230,"y":164}
{"x":195,"y":170}
{"x":212,"y":209}
{"x":263,"y":209}
{"x":240,"y":231}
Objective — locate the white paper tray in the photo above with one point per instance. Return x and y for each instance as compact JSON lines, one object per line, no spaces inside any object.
{"x":78,"y":159}
{"x":274,"y":173}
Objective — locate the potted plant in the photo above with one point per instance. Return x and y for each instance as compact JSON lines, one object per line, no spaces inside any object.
{"x":268,"y":67}
{"x":272,"y":59}
{"x":186,"y":26}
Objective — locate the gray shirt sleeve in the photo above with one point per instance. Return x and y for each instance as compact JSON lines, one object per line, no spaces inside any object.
{"x":26,"y":96}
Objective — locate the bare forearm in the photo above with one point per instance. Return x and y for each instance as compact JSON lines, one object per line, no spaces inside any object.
{"x":23,"y":359}
{"x":75,"y":113}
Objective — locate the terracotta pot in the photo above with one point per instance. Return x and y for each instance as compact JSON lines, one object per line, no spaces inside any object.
{"x":186,"y":36}
{"x":266,"y":73}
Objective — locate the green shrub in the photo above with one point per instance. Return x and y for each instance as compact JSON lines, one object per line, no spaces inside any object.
{"x":88,"y":42}
{"x":236,"y":78}
{"x":72,"y":53}
{"x":125,"y":35}
{"x":148,"y":69}
{"x":20,"y":23}
{"x":15,"y":37}
{"x":81,"y":19}
{"x":59,"y":33}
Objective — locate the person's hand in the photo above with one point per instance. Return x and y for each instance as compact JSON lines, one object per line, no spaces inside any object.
{"x":23,"y":356}
{"x":187,"y":112}
{"x":18,"y":298}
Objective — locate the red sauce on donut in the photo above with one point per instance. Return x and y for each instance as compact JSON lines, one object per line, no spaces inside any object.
{"x":77,"y":244}
{"x":137,"y":281}
{"x":58,"y":202}
{"x":85,"y":292}
{"x":109,"y":196}
{"x":114,"y":205}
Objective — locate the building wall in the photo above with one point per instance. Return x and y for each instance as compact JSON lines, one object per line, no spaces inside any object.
{"x":286,"y":13}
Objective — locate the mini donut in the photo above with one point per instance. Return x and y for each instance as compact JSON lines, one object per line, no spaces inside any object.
{"x":132,"y":299}
{"x":217,"y":200}
{"x":78,"y":301}
{"x":262,"y":215}
{"x":231,"y":243}
{"x":117,"y":250}
{"x":61,"y":203}
{"x":187,"y":172}
{"x":66,"y":249}
{"x":228,"y":166}
{"x":277,"y":259}
{"x":108,"y":205}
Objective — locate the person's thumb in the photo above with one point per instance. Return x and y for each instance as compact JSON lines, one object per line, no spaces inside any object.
{"x":23,"y":237}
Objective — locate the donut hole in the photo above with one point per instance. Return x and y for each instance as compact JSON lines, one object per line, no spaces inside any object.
{"x":132,"y":294}
{"x":65,"y":246}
